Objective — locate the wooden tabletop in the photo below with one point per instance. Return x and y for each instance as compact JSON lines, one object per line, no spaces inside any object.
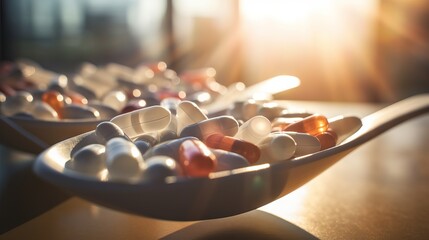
{"x":379,"y":191}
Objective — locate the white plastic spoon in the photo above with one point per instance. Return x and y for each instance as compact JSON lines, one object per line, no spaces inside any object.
{"x":224,"y":193}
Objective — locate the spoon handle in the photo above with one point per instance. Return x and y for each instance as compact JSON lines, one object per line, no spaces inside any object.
{"x":388,"y":117}
{"x":305,"y":168}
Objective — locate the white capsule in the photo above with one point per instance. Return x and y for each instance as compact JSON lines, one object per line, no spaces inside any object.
{"x":344,"y":126}
{"x":159,"y":168}
{"x":74,"y":111}
{"x":276,"y":147}
{"x":20,"y":102}
{"x":149,"y":119}
{"x":228,"y":160}
{"x":225,"y":125}
{"x":188,"y":113}
{"x":115,"y":99}
{"x":305,"y":143}
{"x":254,"y":129}
{"x":123,"y":160}
{"x":107,"y":130}
{"x":44,"y":111}
{"x":90,"y":159}
{"x":105,"y":112}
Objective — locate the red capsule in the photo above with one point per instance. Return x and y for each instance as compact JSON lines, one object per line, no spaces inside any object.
{"x":312,"y":125}
{"x":246,"y":149}
{"x":196,"y":158}
{"x":327,"y":139}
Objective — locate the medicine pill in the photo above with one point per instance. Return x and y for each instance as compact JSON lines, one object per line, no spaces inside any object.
{"x":43,"y":111}
{"x":90,"y":159}
{"x":276,"y":147}
{"x":159,"y":168}
{"x":20,"y":102}
{"x":224,"y":125}
{"x":229,"y":160}
{"x":327,"y":139}
{"x":123,"y":160}
{"x":248,"y":150}
{"x":188,"y":113}
{"x":254,"y":129}
{"x":344,"y":126}
{"x":107,"y":130}
{"x":305,"y":143}
{"x":196,"y":159}
{"x":312,"y":125}
{"x":168,"y":148}
{"x":55,"y":100}
{"x":149,"y":119}
{"x":75,"y":111}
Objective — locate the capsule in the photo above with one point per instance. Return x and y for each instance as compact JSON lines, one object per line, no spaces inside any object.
{"x":196,"y":158}
{"x":188,"y":113}
{"x":42,"y":110}
{"x":344,"y":126}
{"x":20,"y":102}
{"x":305,"y":143}
{"x":75,"y":111}
{"x":276,"y":147}
{"x":229,"y":160}
{"x":327,"y":139}
{"x":246,"y":149}
{"x":254,"y":129}
{"x":152,"y":138}
{"x":225,"y":125}
{"x":312,"y":125}
{"x":123,"y":160}
{"x":55,"y":100}
{"x":168,"y":148}
{"x":159,"y":168}
{"x":116,"y":100}
{"x":90,"y":159}
{"x":143,"y":146}
{"x":149,"y":119}
{"x":107,"y":130}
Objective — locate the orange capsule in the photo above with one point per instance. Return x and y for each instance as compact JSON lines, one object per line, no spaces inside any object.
{"x":77,"y":98}
{"x":55,"y":100}
{"x":196,"y":158}
{"x":246,"y":149}
{"x":312,"y":125}
{"x":327,"y":139}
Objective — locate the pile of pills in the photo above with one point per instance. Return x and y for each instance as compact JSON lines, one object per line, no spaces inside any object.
{"x":100,"y":92}
{"x":156,"y":143}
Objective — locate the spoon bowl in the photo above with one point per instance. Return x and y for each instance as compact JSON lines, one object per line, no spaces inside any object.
{"x":224,"y":193}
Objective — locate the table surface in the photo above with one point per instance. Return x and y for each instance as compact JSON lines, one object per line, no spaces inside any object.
{"x":379,"y":191}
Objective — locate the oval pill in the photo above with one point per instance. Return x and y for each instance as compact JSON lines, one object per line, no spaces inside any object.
{"x":248,"y":150}
{"x":312,"y":125}
{"x":188,"y":113}
{"x":224,"y":125}
{"x":90,"y":159}
{"x":159,"y":168}
{"x":123,"y":160}
{"x":305,"y":143}
{"x":276,"y":147}
{"x":254,"y":129}
{"x":229,"y":160}
{"x":149,"y":119}
{"x":196,"y":159}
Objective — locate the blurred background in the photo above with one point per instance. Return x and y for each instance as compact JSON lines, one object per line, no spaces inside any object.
{"x":342,"y":50}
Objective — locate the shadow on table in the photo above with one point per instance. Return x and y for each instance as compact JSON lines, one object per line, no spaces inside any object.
{"x":252,"y":225}
{"x":23,"y":195}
